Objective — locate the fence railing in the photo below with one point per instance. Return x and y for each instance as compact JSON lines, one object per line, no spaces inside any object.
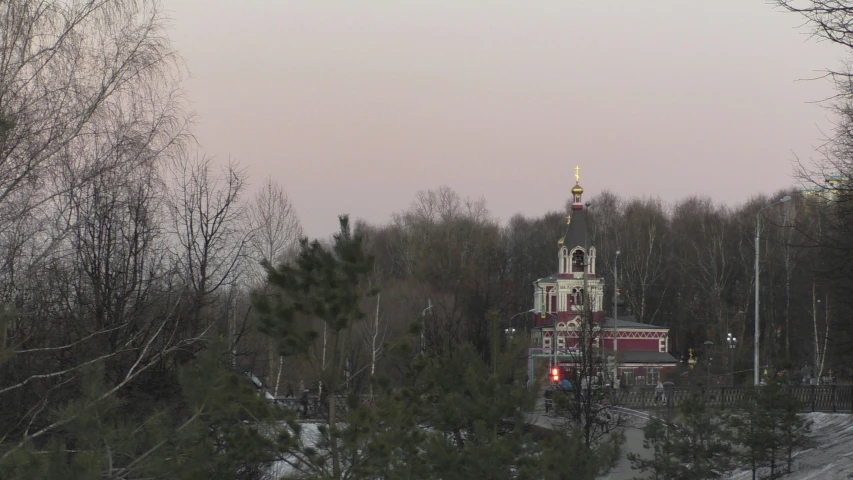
{"x":814,"y":398}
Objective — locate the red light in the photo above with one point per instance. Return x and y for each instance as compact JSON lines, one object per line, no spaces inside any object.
{"x":555,"y":374}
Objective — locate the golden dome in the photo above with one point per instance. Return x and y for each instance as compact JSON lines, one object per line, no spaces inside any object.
{"x":577,"y":190}
{"x":560,"y":241}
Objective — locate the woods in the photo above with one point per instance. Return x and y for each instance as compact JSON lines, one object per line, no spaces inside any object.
{"x":145,"y":283}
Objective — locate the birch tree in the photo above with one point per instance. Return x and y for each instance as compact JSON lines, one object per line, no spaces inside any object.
{"x":275,"y":231}
{"x":821,"y":334}
{"x":275,"y":228}
{"x":91,"y":100}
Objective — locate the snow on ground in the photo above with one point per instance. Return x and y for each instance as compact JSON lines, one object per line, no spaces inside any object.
{"x":832,"y":456}
{"x":310,"y":434}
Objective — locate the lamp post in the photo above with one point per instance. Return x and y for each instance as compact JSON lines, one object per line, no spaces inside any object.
{"x":709,"y":347}
{"x":423,"y":317}
{"x":732,"y":341}
{"x":616,"y":318}
{"x":554,"y":341}
{"x":586,"y":322}
{"x":784,"y":199}
{"x":520,"y":313}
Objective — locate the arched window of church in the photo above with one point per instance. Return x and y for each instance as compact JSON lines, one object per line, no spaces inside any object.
{"x":577,"y":261}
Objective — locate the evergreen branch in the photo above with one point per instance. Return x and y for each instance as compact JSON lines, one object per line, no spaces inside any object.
{"x":158,"y":445}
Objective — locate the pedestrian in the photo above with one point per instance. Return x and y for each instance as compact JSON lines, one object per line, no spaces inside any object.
{"x":289,"y":390}
{"x":304,"y":402}
{"x":659,"y":392}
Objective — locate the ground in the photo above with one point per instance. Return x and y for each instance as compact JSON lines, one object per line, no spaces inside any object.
{"x":831,"y":458}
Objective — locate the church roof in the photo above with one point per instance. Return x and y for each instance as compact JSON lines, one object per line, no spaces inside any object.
{"x":629,"y":322}
{"x":576,"y":232}
{"x":633,"y":356}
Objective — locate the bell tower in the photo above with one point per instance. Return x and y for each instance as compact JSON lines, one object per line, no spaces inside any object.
{"x":576,"y":262}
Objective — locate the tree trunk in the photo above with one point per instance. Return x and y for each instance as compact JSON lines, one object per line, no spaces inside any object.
{"x":788,"y":315}
{"x":330,"y":394}
{"x":373,"y":350}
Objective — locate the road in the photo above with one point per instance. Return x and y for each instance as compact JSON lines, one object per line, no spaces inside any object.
{"x":633,"y":444}
{"x":635,"y":420}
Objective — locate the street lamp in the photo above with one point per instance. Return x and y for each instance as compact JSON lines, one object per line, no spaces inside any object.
{"x":784,"y":199}
{"x":521,"y":313}
{"x":423,"y":327}
{"x":732,"y":341}
{"x":616,"y":318}
{"x":509,"y":332}
{"x":709,"y":347}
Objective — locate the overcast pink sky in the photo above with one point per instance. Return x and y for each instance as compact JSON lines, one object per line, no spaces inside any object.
{"x":354,"y":106}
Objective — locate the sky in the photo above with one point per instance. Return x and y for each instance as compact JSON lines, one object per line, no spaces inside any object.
{"x":355,"y":106}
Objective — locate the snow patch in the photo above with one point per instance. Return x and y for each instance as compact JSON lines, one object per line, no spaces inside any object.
{"x":830,"y":459}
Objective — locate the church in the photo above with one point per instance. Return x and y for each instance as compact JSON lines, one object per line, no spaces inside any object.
{"x":641,"y":351}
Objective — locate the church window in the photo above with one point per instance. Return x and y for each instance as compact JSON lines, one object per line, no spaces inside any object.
{"x":577,"y":296}
{"x":628,"y":376}
{"x":577,"y":261}
{"x":652,"y":376}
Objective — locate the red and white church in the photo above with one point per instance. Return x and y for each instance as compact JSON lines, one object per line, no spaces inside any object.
{"x":642,"y":350}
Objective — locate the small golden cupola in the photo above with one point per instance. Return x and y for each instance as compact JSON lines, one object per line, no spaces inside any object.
{"x":577,"y":190}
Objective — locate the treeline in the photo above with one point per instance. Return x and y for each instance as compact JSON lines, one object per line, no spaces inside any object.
{"x":689,"y":266}
{"x":134,"y":298}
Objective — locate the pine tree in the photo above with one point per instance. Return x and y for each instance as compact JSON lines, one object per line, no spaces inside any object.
{"x":475,"y":414}
{"x":317,"y":299}
{"x":768,"y":430}
{"x":219,"y":431}
{"x":695,"y":446}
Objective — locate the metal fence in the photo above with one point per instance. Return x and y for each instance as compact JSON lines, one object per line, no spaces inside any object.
{"x":813,"y":398}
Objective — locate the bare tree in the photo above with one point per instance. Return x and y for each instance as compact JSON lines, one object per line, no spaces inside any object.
{"x":275,"y":228}
{"x":646,"y":251}
{"x":82,"y":79}
{"x":207,"y":221}
{"x":90,"y":104}
{"x":703,"y":255}
{"x":275,"y":231}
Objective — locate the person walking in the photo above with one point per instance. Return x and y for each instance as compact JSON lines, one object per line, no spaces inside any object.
{"x":659,"y":392}
{"x":304,"y":401}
